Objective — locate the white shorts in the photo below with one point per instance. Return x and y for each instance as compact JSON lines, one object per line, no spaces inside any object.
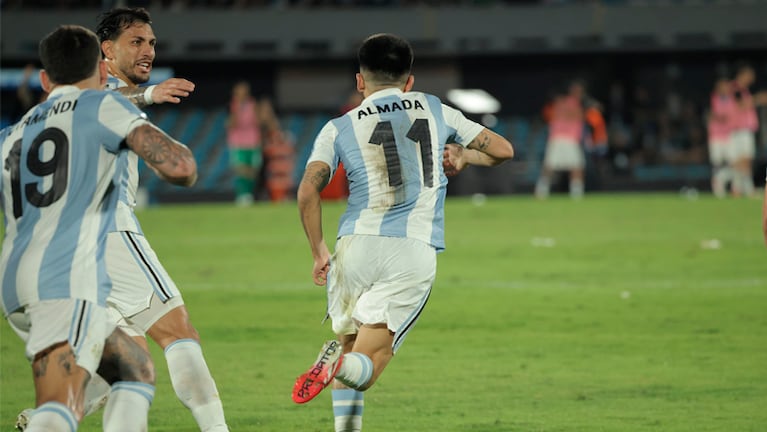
{"x":84,"y":325}
{"x":563,"y":154}
{"x":720,"y":152}
{"x":142,"y":291}
{"x":377,"y":280}
{"x":743,"y":144}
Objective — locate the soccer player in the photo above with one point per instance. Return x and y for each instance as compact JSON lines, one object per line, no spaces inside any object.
{"x":563,"y":149}
{"x":144,"y":295}
{"x":380,"y":277}
{"x":719,"y":128}
{"x":58,"y":198}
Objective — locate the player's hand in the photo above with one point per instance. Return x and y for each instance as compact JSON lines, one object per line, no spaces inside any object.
{"x":321,"y":266}
{"x":453,"y":161}
{"x":172,"y":90}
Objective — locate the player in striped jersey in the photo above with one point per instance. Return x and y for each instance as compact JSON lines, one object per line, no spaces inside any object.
{"x":144,"y":297}
{"x":58,"y":199}
{"x":393,"y":146}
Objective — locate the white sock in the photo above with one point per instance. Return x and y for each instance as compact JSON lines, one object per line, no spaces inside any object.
{"x":348,"y":405}
{"x":128,"y":406}
{"x":576,"y":189}
{"x":52,"y":417}
{"x":356,"y":370}
{"x":542,"y":187}
{"x":96,"y":394}
{"x":194,"y":384}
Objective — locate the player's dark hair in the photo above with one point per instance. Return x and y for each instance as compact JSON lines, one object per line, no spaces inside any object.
{"x":113,"y":22}
{"x":387,"y":57}
{"x":70,"y":54}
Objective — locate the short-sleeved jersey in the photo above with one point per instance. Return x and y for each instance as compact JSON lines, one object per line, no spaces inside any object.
{"x":391,"y":147}
{"x":58,"y":197}
{"x":126,"y":180}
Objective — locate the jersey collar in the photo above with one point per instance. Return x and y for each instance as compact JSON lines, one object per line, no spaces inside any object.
{"x":64,"y":89}
{"x":384,"y":92}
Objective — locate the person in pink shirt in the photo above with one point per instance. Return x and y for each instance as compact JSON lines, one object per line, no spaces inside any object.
{"x":244,"y":140}
{"x":720,"y":152}
{"x":744,"y":126}
{"x":566,"y":117}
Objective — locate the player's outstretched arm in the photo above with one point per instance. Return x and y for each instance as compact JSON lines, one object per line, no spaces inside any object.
{"x":487,"y":149}
{"x":170,"y":90}
{"x":171,"y":160}
{"x":316,"y":177}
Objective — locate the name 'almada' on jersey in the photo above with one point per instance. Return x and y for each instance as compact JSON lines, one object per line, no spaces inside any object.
{"x":404,"y":104}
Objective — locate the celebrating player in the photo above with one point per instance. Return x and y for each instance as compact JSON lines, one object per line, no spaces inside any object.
{"x":380,"y":277}
{"x":144,"y":294}
{"x":58,"y":199}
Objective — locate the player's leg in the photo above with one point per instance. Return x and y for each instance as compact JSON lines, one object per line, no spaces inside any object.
{"x":543,"y":185}
{"x":59,"y":389}
{"x":348,"y":403}
{"x":144,"y":292}
{"x":574,"y":160}
{"x":127,"y":366}
{"x":382,"y":314}
{"x":189,"y":373}
{"x":576,"y":183}
{"x":244,"y":176}
{"x":64,"y":339}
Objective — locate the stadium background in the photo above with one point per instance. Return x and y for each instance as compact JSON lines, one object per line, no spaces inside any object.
{"x":650,"y":64}
{"x":621,"y":312}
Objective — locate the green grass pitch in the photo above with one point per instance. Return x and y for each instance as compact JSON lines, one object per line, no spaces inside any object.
{"x":606,"y":314}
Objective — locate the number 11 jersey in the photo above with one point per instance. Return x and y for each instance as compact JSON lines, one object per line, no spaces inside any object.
{"x":391,"y":146}
{"x":57,"y":195}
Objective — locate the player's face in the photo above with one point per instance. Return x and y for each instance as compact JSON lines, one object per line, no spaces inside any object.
{"x":133,"y":52}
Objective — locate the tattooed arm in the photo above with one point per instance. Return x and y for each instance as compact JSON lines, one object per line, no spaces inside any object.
{"x":170,"y":90}
{"x":171,"y":160}
{"x":316,"y":177}
{"x":487,"y":149}
{"x":135,"y":95}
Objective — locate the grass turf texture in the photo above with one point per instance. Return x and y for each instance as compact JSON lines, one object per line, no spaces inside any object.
{"x":626,"y":324}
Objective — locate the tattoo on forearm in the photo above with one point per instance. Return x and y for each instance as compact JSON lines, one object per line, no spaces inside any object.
{"x":135,"y":95}
{"x":482,"y":141}
{"x":318,"y":177}
{"x":157,"y":148}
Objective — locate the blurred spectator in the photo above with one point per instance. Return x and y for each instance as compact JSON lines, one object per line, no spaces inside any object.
{"x":574,"y":120}
{"x":279,"y":153}
{"x":244,"y":140}
{"x":719,"y":125}
{"x":745,"y":123}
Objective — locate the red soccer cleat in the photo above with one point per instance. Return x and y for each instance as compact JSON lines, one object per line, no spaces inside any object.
{"x":321,"y":373}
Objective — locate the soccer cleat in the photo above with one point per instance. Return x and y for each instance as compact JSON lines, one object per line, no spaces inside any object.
{"x":321,"y":373}
{"x":22,"y":420}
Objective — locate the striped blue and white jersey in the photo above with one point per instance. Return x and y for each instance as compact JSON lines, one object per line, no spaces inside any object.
{"x":391,"y":147}
{"x":57,"y":195}
{"x":126,"y":180}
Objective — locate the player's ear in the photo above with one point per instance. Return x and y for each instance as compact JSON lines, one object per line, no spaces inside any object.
{"x":409,"y":83}
{"x":103,"y":74}
{"x":45,"y":81}
{"x":107,"y":49}
{"x":360,"y":82}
